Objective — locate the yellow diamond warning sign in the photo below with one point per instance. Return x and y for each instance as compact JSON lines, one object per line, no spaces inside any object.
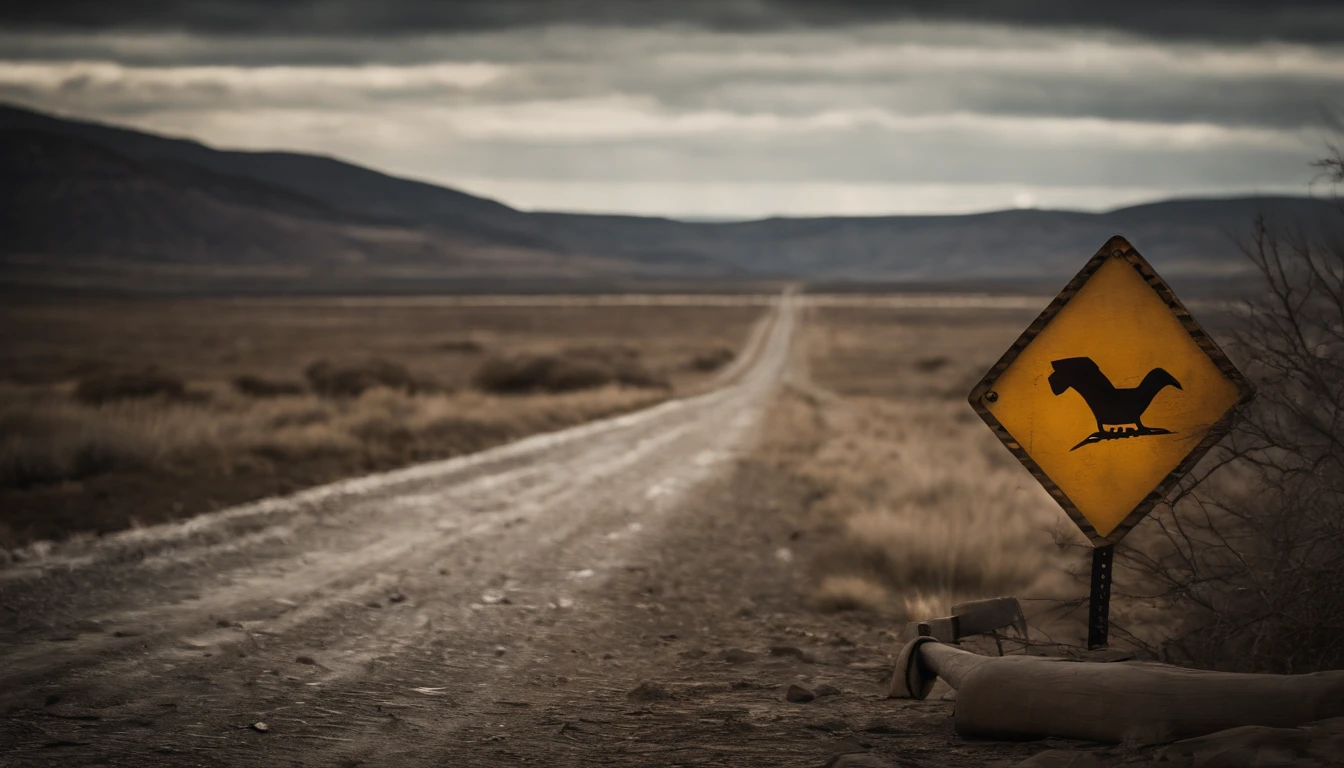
{"x":1112,"y":394}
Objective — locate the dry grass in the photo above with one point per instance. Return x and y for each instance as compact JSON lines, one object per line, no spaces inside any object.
{"x":352,"y":379}
{"x":109,"y":386}
{"x":713,"y":360}
{"x":242,"y":427}
{"x":260,"y":386}
{"x":568,"y":371}
{"x":850,"y":593}
{"x":916,"y":503}
{"x":217,"y":340}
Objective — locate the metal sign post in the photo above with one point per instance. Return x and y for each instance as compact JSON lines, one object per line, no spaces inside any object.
{"x":1108,"y":399}
{"x":1099,"y":602}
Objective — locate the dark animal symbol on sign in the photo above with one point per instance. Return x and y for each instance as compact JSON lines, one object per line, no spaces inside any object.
{"x":1119,"y":412}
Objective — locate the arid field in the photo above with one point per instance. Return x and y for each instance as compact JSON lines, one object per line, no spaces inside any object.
{"x":125,"y":414}
{"x":116,"y":414}
{"x":916,"y":505}
{"x":912,"y":504}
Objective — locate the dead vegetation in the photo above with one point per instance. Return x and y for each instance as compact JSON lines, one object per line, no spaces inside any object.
{"x":1245,"y":571}
{"x":260,"y":386}
{"x":109,"y":386}
{"x":922,"y":507}
{"x":96,"y":435}
{"x":462,"y":346}
{"x":917,"y":505}
{"x":352,"y":379}
{"x":570,"y":370}
{"x":712,"y":360}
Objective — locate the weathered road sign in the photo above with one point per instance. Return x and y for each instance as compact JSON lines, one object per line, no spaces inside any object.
{"x":1112,"y":394}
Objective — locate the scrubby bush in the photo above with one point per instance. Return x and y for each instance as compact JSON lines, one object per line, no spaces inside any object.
{"x":610,"y":352}
{"x":1250,"y":557}
{"x":352,"y":379}
{"x":712,"y":360}
{"x":575,"y":369}
{"x":99,"y":388}
{"x":308,"y":412}
{"x":463,"y":346}
{"x":850,"y":593}
{"x":537,"y":373}
{"x":257,"y":386}
{"x":62,"y":449}
{"x":932,"y":364}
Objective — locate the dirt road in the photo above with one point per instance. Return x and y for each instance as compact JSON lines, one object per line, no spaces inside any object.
{"x":619,"y":593}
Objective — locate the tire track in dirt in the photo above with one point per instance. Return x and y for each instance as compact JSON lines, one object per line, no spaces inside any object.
{"x":120,"y":633}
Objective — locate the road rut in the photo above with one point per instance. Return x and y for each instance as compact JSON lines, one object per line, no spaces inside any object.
{"x":386,"y":582}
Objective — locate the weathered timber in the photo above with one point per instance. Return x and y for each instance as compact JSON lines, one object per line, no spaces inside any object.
{"x":1026,"y":697}
{"x":976,"y":617}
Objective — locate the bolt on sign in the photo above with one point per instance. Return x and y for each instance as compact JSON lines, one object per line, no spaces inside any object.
{"x":1112,"y":394}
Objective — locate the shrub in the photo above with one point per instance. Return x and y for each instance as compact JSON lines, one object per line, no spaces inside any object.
{"x":574,"y":370}
{"x":98,"y":388}
{"x":463,"y":346}
{"x":257,"y":386}
{"x":712,"y":360}
{"x":612,"y":352}
{"x":849,"y":593}
{"x":331,"y":379}
{"x":1250,"y":557}
{"x":307,"y":413}
{"x":932,"y":364}
{"x":69,"y":451}
{"x":623,"y":363}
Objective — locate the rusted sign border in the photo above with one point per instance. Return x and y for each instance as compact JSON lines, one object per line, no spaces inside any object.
{"x":1115,"y":248}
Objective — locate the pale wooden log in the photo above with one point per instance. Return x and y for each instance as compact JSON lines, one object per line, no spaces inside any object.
{"x":1019,"y":697}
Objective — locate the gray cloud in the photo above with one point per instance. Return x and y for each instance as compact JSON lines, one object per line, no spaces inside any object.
{"x":911,"y":70}
{"x":1314,"y":21}
{"x":835,"y":111}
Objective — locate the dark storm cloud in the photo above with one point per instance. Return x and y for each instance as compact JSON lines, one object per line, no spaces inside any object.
{"x":906,"y":69}
{"x":1312,"y":21}
{"x":729,"y":109}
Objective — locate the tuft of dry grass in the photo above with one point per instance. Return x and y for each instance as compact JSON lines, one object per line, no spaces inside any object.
{"x":712,"y":359}
{"x":60,"y":450}
{"x":850,"y":593}
{"x":461,"y":346}
{"x":108,"y":386}
{"x":260,"y":386}
{"x":572,"y":370}
{"x":352,"y":379}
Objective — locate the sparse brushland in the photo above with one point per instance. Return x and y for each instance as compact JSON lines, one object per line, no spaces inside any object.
{"x":119,"y":414}
{"x":568,"y":370}
{"x":915,"y":505}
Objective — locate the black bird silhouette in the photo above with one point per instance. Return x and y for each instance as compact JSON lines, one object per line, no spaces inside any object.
{"x":1119,"y":412}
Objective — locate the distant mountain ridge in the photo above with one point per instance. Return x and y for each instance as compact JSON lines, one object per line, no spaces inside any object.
{"x":105,"y":206}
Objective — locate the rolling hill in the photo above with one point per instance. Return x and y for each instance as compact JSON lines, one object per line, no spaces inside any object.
{"x":92,"y":207}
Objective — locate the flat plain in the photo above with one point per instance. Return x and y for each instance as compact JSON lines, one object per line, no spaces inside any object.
{"x":128,"y":413}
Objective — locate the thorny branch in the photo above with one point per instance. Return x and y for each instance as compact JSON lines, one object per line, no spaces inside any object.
{"x":1249,"y":554}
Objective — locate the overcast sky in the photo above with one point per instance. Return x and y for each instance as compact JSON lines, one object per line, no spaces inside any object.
{"x":725,"y":109}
